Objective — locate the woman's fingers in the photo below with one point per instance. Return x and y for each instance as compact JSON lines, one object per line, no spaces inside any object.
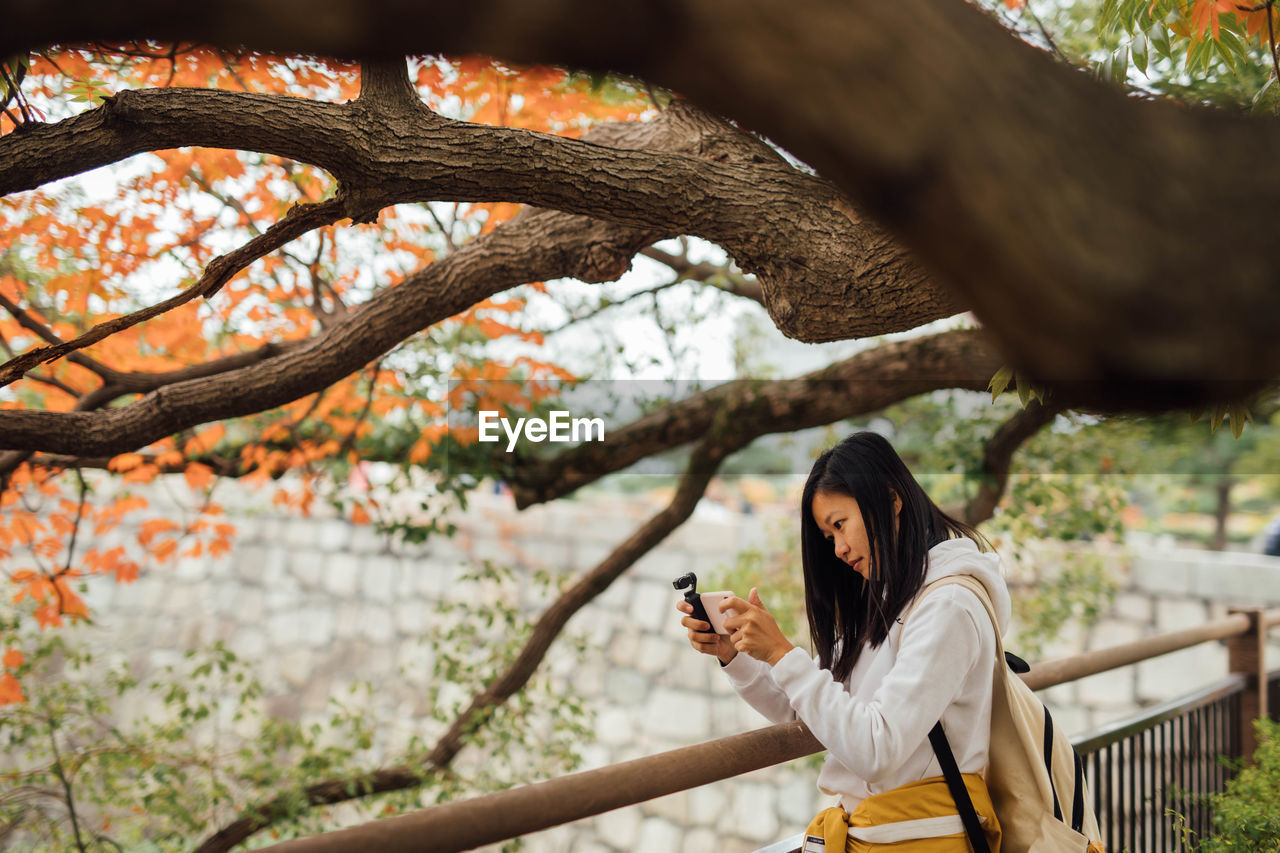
{"x":741,"y":608}
{"x":701,"y":637}
{"x":696,"y":625}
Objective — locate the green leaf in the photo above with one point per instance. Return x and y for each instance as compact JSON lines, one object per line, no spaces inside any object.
{"x":1265,"y":86}
{"x":1230,"y":48}
{"x":1024,"y":390}
{"x":1120,"y":65}
{"x":1138,"y":50}
{"x":1158,"y":36}
{"x":1215,"y":420}
{"x":1199,"y":55}
{"x":1108,"y":16}
{"x":1239,"y":417}
{"x":999,"y":382}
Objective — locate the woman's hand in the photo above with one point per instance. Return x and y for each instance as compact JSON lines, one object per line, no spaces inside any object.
{"x":702,"y":638}
{"x":754,"y":630}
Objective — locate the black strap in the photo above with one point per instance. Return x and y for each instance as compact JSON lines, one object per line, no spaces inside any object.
{"x":1048,"y":762}
{"x":959,"y":793}
{"x":1077,"y":808}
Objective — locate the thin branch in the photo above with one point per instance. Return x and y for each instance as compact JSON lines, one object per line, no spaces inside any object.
{"x":735,"y":283}
{"x":39,"y":377}
{"x":447,"y":233}
{"x":298,"y":221}
{"x":605,"y":306}
{"x":349,"y":441}
{"x":231,"y":69}
{"x":16,"y":90}
{"x":1271,"y":39}
{"x":31,"y":324}
{"x":75,"y":529}
{"x":66,"y":786}
{"x":228,"y":201}
{"x":997,"y":458}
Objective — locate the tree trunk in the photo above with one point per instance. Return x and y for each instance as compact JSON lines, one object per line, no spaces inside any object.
{"x":1222,"y":511}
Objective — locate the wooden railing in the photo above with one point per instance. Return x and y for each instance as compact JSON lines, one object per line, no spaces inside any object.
{"x":471,"y":823}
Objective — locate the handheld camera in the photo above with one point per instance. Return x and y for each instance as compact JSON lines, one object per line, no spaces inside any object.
{"x":706,"y":606}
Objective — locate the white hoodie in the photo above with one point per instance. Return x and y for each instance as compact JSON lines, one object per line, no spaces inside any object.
{"x":876,"y":725}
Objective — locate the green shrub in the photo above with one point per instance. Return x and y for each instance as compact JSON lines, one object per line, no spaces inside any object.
{"x":1246,"y":818}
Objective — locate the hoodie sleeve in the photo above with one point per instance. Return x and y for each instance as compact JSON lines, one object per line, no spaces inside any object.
{"x":941,"y":645}
{"x":753,"y":679}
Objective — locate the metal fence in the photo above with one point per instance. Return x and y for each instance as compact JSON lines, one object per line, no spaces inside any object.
{"x":1149,"y":774}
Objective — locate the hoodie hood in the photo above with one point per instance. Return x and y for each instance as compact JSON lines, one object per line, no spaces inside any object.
{"x":962,"y":557}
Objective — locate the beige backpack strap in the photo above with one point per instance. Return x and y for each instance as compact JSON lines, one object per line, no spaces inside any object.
{"x":970,"y":583}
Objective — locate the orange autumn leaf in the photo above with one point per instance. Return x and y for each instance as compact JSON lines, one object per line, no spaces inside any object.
{"x":205,"y":440}
{"x":169,"y":458}
{"x":126,"y":571}
{"x":164,"y":549}
{"x":48,"y":615}
{"x":97,"y":258}
{"x":125,"y":462}
{"x":69,"y":603}
{"x":421,"y":451}
{"x":31,"y":584}
{"x":153,"y":528}
{"x":198,"y":476}
{"x":144,"y":473}
{"x":10,"y":690}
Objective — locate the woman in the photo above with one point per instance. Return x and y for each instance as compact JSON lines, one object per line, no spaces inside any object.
{"x":871,"y":539}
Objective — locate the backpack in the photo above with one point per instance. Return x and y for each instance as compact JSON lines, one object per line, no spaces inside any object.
{"x":1034,"y":775}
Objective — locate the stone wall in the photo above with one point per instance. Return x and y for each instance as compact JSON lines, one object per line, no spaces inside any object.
{"x":320,"y":604}
{"x":1161,"y":589}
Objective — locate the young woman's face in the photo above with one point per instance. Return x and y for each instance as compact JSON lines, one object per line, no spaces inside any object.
{"x":840,"y":520}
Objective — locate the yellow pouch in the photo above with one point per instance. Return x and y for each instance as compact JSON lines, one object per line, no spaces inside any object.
{"x":895,"y":813}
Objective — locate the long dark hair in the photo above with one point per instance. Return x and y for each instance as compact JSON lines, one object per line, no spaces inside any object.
{"x":845,"y":611}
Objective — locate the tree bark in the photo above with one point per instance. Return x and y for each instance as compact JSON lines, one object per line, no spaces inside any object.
{"x":792,"y":230}
{"x":1079,"y":225}
{"x":866,"y":382}
{"x":687,"y":174}
{"x":1221,"y":512}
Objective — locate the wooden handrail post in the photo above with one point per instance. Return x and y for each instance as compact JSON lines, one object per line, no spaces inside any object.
{"x":1247,"y":655}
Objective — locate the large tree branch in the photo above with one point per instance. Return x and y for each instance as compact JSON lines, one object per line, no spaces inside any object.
{"x":865,"y":382}
{"x":537,"y":246}
{"x":1080,"y":225}
{"x":691,"y":175}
